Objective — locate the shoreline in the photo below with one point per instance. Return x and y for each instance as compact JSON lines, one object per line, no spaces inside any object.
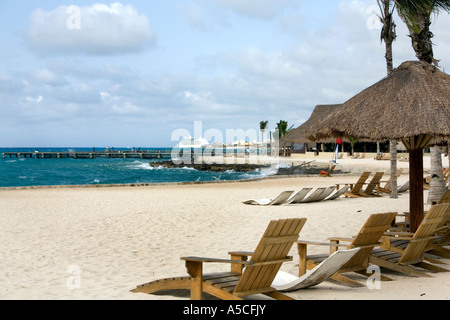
{"x":346,"y":167}
{"x":114,"y":238}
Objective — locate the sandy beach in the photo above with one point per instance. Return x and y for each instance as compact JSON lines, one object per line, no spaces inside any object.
{"x":100,"y":242}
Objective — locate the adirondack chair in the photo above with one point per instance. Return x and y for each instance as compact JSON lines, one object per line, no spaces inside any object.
{"x":314,"y":196}
{"x":357,"y":187}
{"x":435,"y":246}
{"x":445,"y":197}
{"x":338,"y":193}
{"x":327,"y":173}
{"x":373,"y":185}
{"x":298,"y":196}
{"x":404,"y":224}
{"x":328,"y":191}
{"x":286,"y":282}
{"x":279,"y":200}
{"x":247,"y":277}
{"x":387,"y":186}
{"x":366,"y":240}
{"x":402,"y":259}
{"x":441,"y":241}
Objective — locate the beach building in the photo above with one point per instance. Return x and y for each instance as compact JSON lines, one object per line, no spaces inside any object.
{"x":300,"y":144}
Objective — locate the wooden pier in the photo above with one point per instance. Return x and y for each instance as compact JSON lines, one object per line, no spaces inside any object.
{"x":89,"y":154}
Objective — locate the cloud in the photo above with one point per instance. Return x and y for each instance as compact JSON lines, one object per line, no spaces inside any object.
{"x":98,"y":29}
{"x":257,"y":9}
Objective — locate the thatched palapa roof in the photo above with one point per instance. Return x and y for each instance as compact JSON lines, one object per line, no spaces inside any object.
{"x":413,"y":101}
{"x":298,"y":135}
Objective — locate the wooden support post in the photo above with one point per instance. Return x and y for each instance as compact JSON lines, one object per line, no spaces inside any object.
{"x":195,"y":270}
{"x":416,"y":188}
{"x":301,"y":248}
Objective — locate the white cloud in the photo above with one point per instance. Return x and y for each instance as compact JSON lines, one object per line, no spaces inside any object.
{"x":259,"y":9}
{"x":34,"y":100}
{"x":46,"y":76}
{"x":100,"y":30}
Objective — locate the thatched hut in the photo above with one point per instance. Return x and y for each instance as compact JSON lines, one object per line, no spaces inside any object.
{"x":298,"y":136}
{"x":411,"y":105}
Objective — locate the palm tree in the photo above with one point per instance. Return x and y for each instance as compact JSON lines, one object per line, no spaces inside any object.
{"x":388,"y":35}
{"x":352,"y":141}
{"x":283,"y":130}
{"x":417,"y":16}
{"x":262,"y":128}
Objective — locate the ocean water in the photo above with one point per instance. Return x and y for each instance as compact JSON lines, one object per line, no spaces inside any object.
{"x":20,"y":172}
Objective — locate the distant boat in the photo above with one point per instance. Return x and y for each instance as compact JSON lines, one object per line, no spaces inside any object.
{"x":193,"y":143}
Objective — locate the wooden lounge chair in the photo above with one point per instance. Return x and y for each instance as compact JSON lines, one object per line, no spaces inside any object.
{"x":246,"y":277}
{"x":279,"y":200}
{"x":316,"y":195}
{"x":445,"y":197}
{"x":286,"y":282}
{"x":387,"y":186}
{"x":326,"y":193}
{"x":357,"y":187}
{"x":403,"y":188}
{"x":327,"y":173}
{"x":403,"y":260}
{"x":338,"y":193}
{"x":405,"y":224}
{"x":436,"y":247}
{"x":373,"y":185}
{"x":298,"y":196}
{"x":366,"y":240}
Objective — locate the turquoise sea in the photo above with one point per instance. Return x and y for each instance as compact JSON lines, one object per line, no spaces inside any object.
{"x":20,"y":172}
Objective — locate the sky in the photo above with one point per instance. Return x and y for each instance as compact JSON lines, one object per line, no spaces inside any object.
{"x":143,"y":73}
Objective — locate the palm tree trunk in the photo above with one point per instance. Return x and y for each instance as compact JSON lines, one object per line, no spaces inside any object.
{"x":393,"y":157}
{"x":421,"y":41}
{"x":437,"y":183}
{"x":388,"y":35}
{"x":417,"y":17}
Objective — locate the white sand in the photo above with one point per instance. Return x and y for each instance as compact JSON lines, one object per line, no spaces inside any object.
{"x":120,"y":237}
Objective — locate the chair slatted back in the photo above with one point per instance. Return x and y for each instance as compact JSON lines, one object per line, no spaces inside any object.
{"x":446,"y":197}
{"x":387,"y":186}
{"x":268,"y":256}
{"x":367,"y":238}
{"x":373,"y":183}
{"x":360,"y":183}
{"x":414,"y":252}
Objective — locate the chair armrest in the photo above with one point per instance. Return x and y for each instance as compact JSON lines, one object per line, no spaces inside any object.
{"x":212,"y":260}
{"x":340,"y":239}
{"x":321,"y":243}
{"x":241,"y":253}
{"x":398,"y":236}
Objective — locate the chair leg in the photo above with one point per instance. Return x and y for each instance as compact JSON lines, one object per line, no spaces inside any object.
{"x":278,"y":295}
{"x":396,"y":267}
{"x":195,"y":270}
{"x":431,"y":267}
{"x":440,"y":251}
{"x":343,"y":280}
